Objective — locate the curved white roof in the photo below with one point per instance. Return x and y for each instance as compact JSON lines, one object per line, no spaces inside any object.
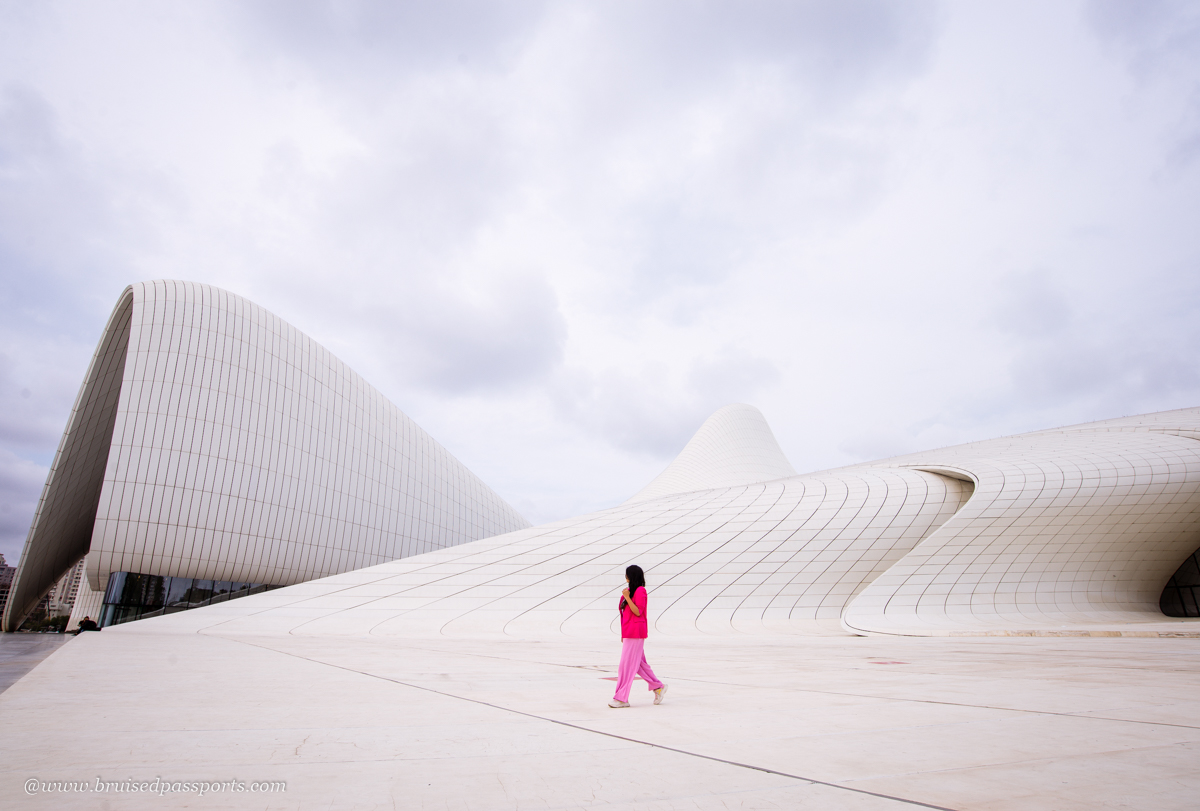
{"x":1074,"y":530}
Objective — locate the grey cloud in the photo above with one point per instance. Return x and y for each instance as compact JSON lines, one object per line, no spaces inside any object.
{"x":60,"y":276}
{"x":450,"y":335}
{"x":618,"y":79}
{"x":728,"y":209}
{"x":56,"y":225}
{"x":620,"y":404}
{"x":1159,"y":41}
{"x":650,"y":425}
{"x":653,"y":412}
{"x":655,"y":46}
{"x":1048,"y":373}
{"x":730,"y":377}
{"x":685,"y":247}
{"x":28,"y":131}
{"x":427,"y":189}
{"x":62,"y":271}
{"x":33,"y":406}
{"x":879,"y":444}
{"x":1072,"y":355}
{"x":837,"y":46}
{"x":1125,"y":376}
{"x":1150,"y":31}
{"x":509,"y":334}
{"x":784,"y":156}
{"x":354,"y":35}
{"x":1030,"y":306}
{"x":20,"y":487}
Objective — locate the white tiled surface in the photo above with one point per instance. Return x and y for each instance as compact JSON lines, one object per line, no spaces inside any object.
{"x":1067,"y":531}
{"x":1079,"y":525}
{"x":781,"y":556}
{"x":242,"y":450}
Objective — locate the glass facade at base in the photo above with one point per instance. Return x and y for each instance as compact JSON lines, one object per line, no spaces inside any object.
{"x":132,"y":596}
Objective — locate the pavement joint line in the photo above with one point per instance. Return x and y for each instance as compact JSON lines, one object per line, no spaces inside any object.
{"x":734,"y":763}
{"x":1008,"y":763}
{"x":954,"y":704}
{"x":824,"y":692}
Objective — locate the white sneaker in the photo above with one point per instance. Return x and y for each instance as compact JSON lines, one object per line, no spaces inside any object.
{"x":616,"y":705}
{"x":659,"y":693}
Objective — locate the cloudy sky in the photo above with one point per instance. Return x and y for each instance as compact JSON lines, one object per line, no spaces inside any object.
{"x":559,"y":235}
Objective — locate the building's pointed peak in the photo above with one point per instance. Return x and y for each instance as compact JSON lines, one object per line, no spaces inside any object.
{"x":734,"y":446}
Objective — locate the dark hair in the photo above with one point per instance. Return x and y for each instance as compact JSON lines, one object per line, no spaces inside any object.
{"x":637,"y":580}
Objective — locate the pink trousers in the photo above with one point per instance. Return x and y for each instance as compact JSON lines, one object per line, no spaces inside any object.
{"x":633,"y":662}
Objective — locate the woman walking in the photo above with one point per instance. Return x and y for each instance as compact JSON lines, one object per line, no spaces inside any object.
{"x":633,"y":640}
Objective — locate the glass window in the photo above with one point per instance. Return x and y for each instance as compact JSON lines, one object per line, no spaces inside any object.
{"x":1179,"y":598}
{"x":130,"y":596}
{"x":1188,"y":598}
{"x":201,"y":593}
{"x":116,"y":585}
{"x":1189,"y":572}
{"x":124,"y":614}
{"x":177,"y":591}
{"x":107,"y":613}
{"x":153,"y":591}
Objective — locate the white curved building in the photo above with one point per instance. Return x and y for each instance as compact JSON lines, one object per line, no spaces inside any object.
{"x":214,"y":443}
{"x":1071,"y":531}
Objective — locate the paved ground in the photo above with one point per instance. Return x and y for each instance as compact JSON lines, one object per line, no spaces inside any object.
{"x":20,"y":653}
{"x":749,"y":723}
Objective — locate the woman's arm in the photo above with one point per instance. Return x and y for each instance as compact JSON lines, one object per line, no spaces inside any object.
{"x":637,"y":612}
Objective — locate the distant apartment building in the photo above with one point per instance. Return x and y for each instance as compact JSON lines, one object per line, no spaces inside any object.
{"x":61,"y":597}
{"x":6,"y":578}
{"x":57,"y":602}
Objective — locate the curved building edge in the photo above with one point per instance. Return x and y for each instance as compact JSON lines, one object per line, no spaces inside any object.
{"x":212,"y":439}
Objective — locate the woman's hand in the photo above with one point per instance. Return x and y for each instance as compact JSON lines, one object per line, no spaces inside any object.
{"x":629,"y":602}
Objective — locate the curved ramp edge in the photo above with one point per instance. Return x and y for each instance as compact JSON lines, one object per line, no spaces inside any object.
{"x":1068,"y":531}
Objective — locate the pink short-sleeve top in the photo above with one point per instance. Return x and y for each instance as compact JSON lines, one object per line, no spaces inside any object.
{"x":633,"y":627}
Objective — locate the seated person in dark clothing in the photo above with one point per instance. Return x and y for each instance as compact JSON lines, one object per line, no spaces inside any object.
{"x":87,"y":624}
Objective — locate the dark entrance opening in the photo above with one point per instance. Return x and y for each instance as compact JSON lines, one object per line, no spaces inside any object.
{"x":1181,"y":597}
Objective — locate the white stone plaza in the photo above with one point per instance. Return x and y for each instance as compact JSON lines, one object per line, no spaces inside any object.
{"x":750,"y":722}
